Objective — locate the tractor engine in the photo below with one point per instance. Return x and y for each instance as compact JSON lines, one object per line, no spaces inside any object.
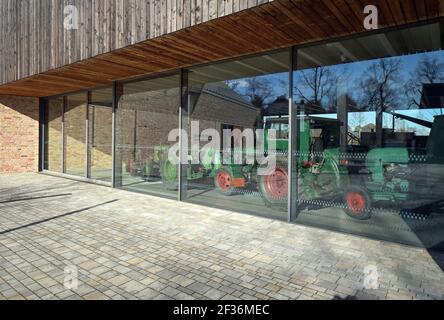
{"x":389,"y":173}
{"x":396,"y":177}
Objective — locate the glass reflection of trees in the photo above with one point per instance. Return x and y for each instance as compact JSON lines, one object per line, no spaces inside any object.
{"x":373,"y":90}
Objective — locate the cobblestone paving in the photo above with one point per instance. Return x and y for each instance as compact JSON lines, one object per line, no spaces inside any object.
{"x":131,"y":246}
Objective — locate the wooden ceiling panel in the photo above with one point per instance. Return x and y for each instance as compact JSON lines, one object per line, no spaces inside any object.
{"x":277,"y":24}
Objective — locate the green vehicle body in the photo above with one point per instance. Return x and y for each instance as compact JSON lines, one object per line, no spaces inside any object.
{"x":358,"y":179}
{"x":389,"y":174}
{"x":331,"y":173}
{"x":159,"y":165}
{"x":399,"y":187}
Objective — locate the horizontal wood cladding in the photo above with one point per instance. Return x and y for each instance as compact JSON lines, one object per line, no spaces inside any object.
{"x":34,"y":39}
{"x":273,"y":24}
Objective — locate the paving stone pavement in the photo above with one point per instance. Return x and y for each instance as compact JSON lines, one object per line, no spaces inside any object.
{"x":130,"y":246}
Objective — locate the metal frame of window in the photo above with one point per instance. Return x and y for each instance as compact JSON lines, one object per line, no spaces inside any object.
{"x":113,"y":132}
{"x":293,"y":147}
{"x":183,"y":123}
{"x":42,"y":128}
{"x":87,"y":133}
{"x":292,"y":210}
{"x":64,"y":103}
{"x":43,"y":104}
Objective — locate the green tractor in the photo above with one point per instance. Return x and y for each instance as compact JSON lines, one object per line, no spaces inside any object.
{"x":357,"y":175}
{"x":160,"y":166}
{"x":353,"y":176}
{"x":319,"y":173}
{"x":317,"y":177}
{"x":400,"y":174}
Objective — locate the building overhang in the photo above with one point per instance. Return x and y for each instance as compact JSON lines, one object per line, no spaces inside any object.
{"x":278,"y":24}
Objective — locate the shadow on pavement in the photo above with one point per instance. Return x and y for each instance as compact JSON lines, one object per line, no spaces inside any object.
{"x":57,"y":217}
{"x":36,"y":198}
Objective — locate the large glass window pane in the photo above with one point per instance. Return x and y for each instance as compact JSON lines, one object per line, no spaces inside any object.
{"x":370,"y":133}
{"x":100,"y":120}
{"x":75,"y":135}
{"x":147,"y":112}
{"x":234,"y":162}
{"x":53,"y":135}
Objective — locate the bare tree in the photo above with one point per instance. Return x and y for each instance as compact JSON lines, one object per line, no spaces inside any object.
{"x":357,"y":120}
{"x":381,"y":90}
{"x":380,"y":84}
{"x":257,"y":90}
{"x":317,"y":86}
{"x":429,"y":70}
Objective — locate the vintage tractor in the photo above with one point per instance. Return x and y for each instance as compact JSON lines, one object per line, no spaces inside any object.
{"x":319,"y":173}
{"x":357,"y":175}
{"x":231,"y":179}
{"x":158,"y":165}
{"x":406,"y":175}
{"x":353,"y":176}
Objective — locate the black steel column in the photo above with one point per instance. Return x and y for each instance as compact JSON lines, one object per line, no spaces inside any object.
{"x":42,"y":125}
{"x":63,"y":153}
{"x":183,"y":127}
{"x":293,"y":145}
{"x":87,"y":134}
{"x":117,"y":160}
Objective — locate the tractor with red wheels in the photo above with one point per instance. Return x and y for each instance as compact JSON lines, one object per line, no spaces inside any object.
{"x":319,"y":172}
{"x":354,"y":176}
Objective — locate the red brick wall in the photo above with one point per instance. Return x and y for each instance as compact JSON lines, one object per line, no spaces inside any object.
{"x":19,"y":134}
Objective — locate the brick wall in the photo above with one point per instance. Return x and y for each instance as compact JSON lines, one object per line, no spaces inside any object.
{"x":19,"y":134}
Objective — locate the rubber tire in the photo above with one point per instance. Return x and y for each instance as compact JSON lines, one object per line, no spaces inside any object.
{"x":270,"y":201}
{"x":366,"y":213}
{"x":168,"y":184}
{"x":229,"y":192}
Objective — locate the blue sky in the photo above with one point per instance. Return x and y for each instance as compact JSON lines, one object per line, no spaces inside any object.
{"x":353,"y":73}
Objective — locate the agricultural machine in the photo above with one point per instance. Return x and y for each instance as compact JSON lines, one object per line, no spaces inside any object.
{"x":158,"y":165}
{"x":358,"y":174}
{"x":398,"y":174}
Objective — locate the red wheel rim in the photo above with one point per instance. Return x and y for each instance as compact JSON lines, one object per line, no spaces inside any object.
{"x":224,"y":180}
{"x":356,"y":202}
{"x":276,"y":183}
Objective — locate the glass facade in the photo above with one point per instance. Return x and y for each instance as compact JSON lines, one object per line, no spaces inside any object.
{"x":53,"y":135}
{"x":147,"y":112}
{"x":369,"y":128}
{"x":74,"y":135}
{"x":343,"y":135}
{"x":78,"y":135}
{"x":100,"y":142}
{"x":227,"y":104}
